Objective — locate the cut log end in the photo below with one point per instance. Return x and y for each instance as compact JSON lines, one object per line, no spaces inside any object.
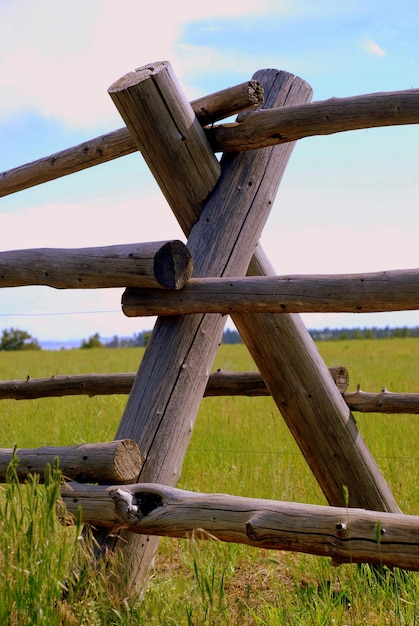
{"x":173,"y":265}
{"x":127,"y":461}
{"x":137,"y":76}
{"x":340,"y":376}
{"x":256,"y":92}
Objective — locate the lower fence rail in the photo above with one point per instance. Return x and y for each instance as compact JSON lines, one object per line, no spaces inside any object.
{"x":345,"y":535}
{"x":220,"y":383}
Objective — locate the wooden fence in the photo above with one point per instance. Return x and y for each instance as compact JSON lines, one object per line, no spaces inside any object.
{"x":222,"y":207}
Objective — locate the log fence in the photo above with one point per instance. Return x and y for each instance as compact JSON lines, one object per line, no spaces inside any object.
{"x":346,"y":535}
{"x":355,"y":293}
{"x":220,"y":383}
{"x":373,"y":110}
{"x":222,"y":206}
{"x":105,"y":463}
{"x":160,"y":264}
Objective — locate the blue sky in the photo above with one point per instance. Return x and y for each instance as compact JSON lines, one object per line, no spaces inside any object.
{"x":347,"y":203}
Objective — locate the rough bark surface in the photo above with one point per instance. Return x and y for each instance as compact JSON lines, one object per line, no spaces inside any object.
{"x":146,"y":265}
{"x":171,"y":381}
{"x":340,"y":293}
{"x":104,"y":463}
{"x":119,"y":143}
{"x":346,"y":535}
{"x":220,"y":383}
{"x":267,"y":128}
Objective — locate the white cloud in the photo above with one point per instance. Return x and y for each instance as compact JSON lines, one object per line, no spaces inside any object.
{"x":59,"y":58}
{"x":52,"y":314}
{"x":84,"y":224}
{"x":373,"y":48}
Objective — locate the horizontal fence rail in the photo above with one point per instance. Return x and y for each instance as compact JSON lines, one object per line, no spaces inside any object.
{"x":160,"y":264}
{"x":270,"y":127}
{"x":119,"y":143}
{"x":344,"y":534}
{"x":396,"y":290}
{"x":255,"y":130}
{"x":221,"y":383}
{"x":104,"y":463}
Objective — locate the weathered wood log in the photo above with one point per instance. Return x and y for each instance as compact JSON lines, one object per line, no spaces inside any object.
{"x":149,"y":97}
{"x":259,"y":129}
{"x":294,"y":373}
{"x":384,"y":402}
{"x":69,"y":385}
{"x":220,"y":383}
{"x":158,"y":416}
{"x":354,"y":293}
{"x":227,"y":102}
{"x":327,"y":117}
{"x":312,"y":406}
{"x":347,"y":535}
{"x":148,"y":265}
{"x":104,"y":463}
{"x":223,"y":383}
{"x":118,"y":143}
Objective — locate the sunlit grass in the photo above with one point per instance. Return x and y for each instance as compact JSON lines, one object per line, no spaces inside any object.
{"x":239,"y":446}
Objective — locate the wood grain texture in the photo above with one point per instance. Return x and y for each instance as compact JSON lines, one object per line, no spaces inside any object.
{"x":158,"y":264}
{"x":383,"y":402}
{"x":226,"y":102}
{"x":119,"y":143}
{"x":220,"y":383}
{"x":290,"y":363}
{"x":173,"y":374}
{"x":322,"y":118}
{"x":312,"y":406}
{"x":354,"y":293}
{"x":345,"y":535}
{"x":103,"y":463}
{"x":259,"y":129}
{"x":168,"y":134}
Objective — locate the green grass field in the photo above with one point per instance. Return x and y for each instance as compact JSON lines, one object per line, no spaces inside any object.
{"x":239,"y":446}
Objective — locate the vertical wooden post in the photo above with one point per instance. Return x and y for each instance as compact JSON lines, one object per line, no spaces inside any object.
{"x":172,"y":377}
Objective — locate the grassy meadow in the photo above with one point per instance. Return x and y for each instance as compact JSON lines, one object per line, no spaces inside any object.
{"x":239,"y":446}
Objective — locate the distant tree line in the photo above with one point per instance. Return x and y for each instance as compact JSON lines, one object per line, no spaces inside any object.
{"x":326,"y":334}
{"x":137,"y":340}
{"x":16,"y":339}
{"x":331,"y":334}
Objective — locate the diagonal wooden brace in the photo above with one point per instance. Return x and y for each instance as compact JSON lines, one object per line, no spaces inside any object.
{"x":302,"y":387}
{"x":171,"y":380}
{"x":312,"y":406}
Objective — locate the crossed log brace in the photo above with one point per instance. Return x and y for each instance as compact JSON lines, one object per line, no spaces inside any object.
{"x":222,"y":208}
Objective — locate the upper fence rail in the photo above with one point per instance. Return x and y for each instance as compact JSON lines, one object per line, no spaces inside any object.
{"x":118,"y":143}
{"x":254,"y":129}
